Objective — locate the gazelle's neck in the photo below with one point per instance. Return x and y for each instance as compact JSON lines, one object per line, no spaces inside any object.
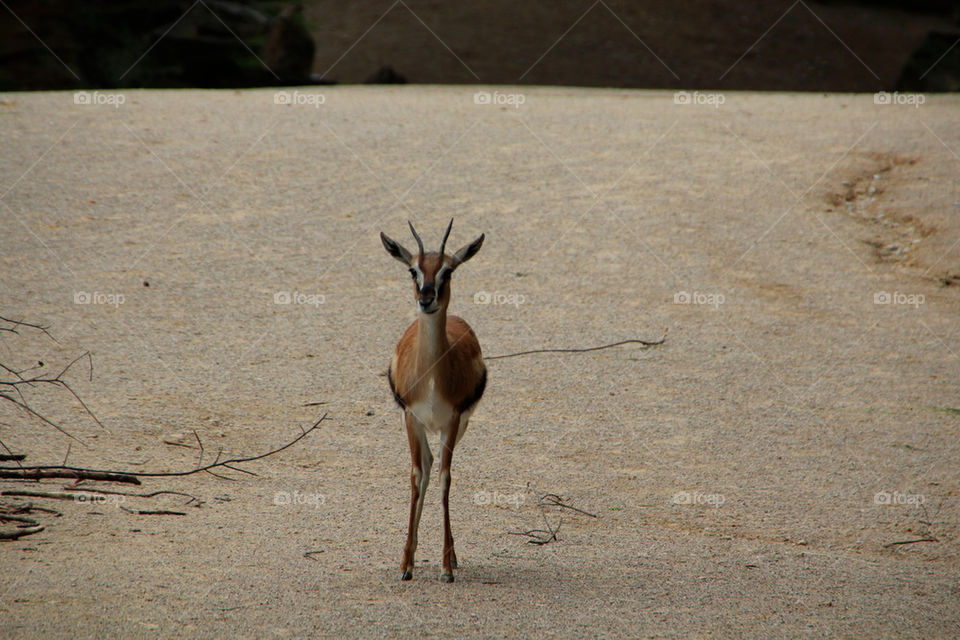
{"x":432,"y":336}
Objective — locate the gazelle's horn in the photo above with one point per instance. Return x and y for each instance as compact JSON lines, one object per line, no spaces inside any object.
{"x":443,"y":243}
{"x":417,"y":236}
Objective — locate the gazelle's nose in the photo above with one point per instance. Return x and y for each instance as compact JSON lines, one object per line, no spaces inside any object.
{"x":427,"y":292}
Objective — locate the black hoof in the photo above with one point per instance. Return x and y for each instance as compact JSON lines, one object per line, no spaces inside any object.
{"x":406,"y":575}
{"x":446,"y":577}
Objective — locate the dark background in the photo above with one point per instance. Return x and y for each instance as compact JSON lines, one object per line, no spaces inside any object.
{"x":775,"y":45}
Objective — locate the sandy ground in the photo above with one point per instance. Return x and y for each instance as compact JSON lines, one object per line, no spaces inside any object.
{"x":735,"y":471}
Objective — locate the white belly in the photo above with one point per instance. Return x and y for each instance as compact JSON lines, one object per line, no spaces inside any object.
{"x":435,"y":413}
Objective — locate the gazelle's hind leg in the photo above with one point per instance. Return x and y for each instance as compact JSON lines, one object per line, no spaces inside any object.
{"x":464,"y":418}
{"x":448,"y":440}
{"x":421,"y":461}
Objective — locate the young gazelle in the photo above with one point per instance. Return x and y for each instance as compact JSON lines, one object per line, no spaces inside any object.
{"x":437,"y":377}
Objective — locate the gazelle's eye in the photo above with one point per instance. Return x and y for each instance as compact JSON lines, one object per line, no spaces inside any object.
{"x":413,"y":273}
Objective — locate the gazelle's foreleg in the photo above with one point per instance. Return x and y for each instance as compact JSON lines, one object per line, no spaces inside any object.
{"x":448,"y":440}
{"x":421,"y":461}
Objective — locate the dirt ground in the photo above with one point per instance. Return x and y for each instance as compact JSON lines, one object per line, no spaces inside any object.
{"x":749,"y":477}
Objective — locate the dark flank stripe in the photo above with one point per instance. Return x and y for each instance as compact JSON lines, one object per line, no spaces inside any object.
{"x":396,"y":396}
{"x":476,"y":395}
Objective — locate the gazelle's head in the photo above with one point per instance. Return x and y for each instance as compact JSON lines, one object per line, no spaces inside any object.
{"x":431,"y":270}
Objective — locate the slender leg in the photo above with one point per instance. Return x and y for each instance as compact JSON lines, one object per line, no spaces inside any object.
{"x":421,"y":460}
{"x":448,"y":442}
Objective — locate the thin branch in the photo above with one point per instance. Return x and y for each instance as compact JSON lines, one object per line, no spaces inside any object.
{"x":56,"y":380}
{"x":152,"y":494}
{"x":645,"y":343}
{"x":19,"y":533}
{"x":12,"y":371}
{"x":20,"y":323}
{"x":38,"y":473}
{"x":39,"y":494}
{"x":229,"y":466}
{"x":899,"y":542}
{"x":218,"y":476}
{"x":23,"y":405}
{"x":147,"y":512}
{"x":81,"y":473}
{"x":200,"y":459}
{"x":21,"y":519}
{"x":553,"y":500}
{"x":540,"y":537}
{"x":27,"y":507}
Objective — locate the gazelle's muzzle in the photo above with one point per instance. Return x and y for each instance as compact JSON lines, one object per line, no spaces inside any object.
{"x":427,"y":298}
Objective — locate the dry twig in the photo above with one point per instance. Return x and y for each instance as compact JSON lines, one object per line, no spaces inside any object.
{"x":540,"y":537}
{"x":81,"y":473}
{"x":645,"y":343}
{"x":553,"y":500}
{"x":11,"y":388}
{"x":20,"y":532}
{"x":157,"y":512}
{"x":53,"y":495}
{"x":890,"y":545}
{"x":37,"y":473}
{"x":152,"y":494}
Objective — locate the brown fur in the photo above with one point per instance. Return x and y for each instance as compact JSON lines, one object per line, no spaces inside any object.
{"x":460,"y":372}
{"x":438,"y":355}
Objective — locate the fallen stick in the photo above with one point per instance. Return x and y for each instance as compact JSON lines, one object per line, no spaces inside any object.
{"x":19,"y":533}
{"x":540,"y":537}
{"x":646,"y":343}
{"x":20,"y":519}
{"x":553,"y":500}
{"x":131,"y":476}
{"x":899,"y":542}
{"x":39,"y":494}
{"x":155,"y":512}
{"x":38,"y":473}
{"x":152,"y":494}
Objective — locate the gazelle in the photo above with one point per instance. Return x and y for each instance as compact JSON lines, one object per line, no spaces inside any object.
{"x":437,"y":377}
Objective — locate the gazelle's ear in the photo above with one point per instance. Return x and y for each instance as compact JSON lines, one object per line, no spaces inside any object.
{"x":468,"y":251}
{"x":395,"y":249}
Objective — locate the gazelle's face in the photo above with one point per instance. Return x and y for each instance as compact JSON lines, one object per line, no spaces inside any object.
{"x":431,"y":271}
{"x":431,"y":281}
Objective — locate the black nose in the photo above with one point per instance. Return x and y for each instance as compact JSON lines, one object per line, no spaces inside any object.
{"x":428,"y":292}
